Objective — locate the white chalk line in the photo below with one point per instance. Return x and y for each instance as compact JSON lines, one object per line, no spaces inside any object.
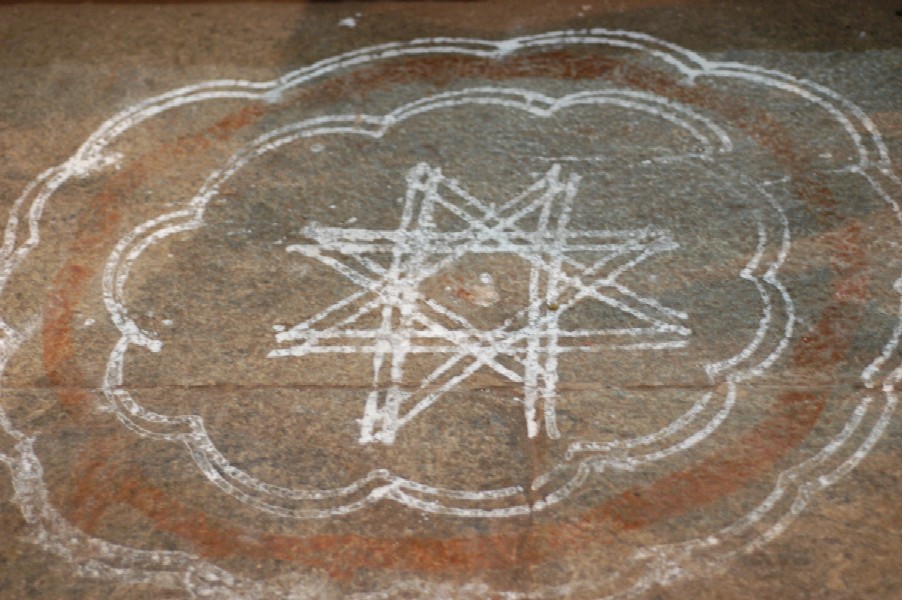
{"x":420,"y":251}
{"x":91,"y":155}
{"x":154,"y":230}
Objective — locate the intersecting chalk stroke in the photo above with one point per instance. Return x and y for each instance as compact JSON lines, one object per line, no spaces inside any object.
{"x":420,"y":250}
{"x":381,"y":484}
{"x":655,"y":565}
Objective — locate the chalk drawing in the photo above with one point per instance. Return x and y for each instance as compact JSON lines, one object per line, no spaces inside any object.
{"x":537,"y":345}
{"x":646,"y":567}
{"x":419,"y":250}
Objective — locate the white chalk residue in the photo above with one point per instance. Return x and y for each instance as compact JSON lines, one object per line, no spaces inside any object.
{"x":412,"y":323}
{"x":536,"y":346}
{"x":663,"y":564}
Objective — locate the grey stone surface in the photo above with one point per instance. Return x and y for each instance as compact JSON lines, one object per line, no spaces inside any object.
{"x":641,"y":304}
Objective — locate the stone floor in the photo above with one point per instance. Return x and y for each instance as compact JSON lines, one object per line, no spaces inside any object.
{"x":468,"y":300}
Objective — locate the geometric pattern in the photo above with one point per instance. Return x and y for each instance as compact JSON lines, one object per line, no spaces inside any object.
{"x":566,"y":266}
{"x":846,"y":441}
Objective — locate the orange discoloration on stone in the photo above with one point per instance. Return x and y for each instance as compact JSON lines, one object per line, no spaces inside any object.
{"x":57,"y":320}
{"x":826,"y":344}
{"x":440,"y":71}
{"x":69,"y":284}
{"x":790,"y":420}
{"x":676,"y":494}
{"x":104,"y":485}
{"x":94,"y":227}
{"x":238,"y":120}
{"x":93,"y":478}
{"x":823,"y":344}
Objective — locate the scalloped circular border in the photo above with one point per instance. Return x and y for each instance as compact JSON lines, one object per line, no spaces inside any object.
{"x":382,"y":484}
{"x":658,"y":564}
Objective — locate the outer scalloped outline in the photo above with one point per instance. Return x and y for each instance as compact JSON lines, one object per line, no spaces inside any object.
{"x":660,"y":564}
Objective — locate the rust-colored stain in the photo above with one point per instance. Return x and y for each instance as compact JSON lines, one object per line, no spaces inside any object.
{"x":752,"y":455}
{"x":237,"y":120}
{"x":827,"y":342}
{"x":791,"y":418}
{"x":102,"y":483}
{"x":439,"y":71}
{"x":57,"y":318}
{"x":96,"y":224}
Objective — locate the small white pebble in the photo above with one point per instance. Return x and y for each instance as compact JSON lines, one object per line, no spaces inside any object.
{"x":89,"y":322}
{"x":278,"y":328}
{"x":350,"y":22}
{"x":167,"y":322}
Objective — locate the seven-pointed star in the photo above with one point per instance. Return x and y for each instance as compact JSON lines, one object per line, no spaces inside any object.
{"x":389,"y":266}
